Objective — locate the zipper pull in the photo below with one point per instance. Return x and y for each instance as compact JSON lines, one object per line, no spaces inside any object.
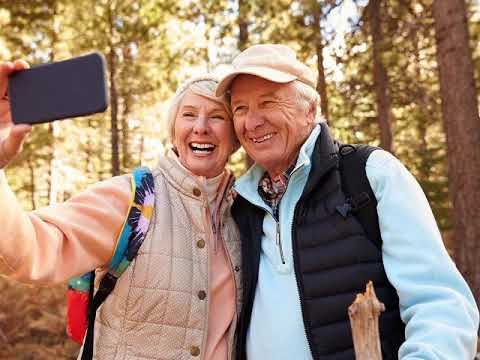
{"x":278,"y":235}
{"x":279,"y":244}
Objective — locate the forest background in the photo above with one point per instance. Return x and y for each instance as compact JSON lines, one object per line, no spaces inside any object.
{"x":401,"y":74}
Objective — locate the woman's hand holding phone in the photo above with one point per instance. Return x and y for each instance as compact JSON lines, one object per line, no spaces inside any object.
{"x":12,"y":136}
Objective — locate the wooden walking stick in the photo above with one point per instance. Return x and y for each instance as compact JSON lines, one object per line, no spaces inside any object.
{"x":364,"y":313}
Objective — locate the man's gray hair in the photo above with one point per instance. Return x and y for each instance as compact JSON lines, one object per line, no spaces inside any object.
{"x":309,"y":97}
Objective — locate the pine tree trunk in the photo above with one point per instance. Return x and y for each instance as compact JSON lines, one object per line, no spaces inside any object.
{"x":53,"y":128}
{"x":33,"y":188}
{"x":380,"y":77}
{"x":462,"y":128}
{"x":321,"y":82}
{"x":88,"y":150}
{"x":242,"y":24}
{"x":113,"y":99}
{"x":126,"y":158}
{"x":242,"y":44}
{"x":424,"y":171}
{"x":54,"y":168}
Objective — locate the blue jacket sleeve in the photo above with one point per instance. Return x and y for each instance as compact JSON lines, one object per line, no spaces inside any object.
{"x":436,"y":303}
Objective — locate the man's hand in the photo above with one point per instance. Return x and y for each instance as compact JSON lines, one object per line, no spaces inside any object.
{"x":12,"y":136}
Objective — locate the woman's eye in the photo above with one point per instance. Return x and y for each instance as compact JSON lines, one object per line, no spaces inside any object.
{"x":188,"y":114}
{"x":218,"y":117}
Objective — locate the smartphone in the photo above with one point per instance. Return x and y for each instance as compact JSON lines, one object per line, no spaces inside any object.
{"x":59,"y":90}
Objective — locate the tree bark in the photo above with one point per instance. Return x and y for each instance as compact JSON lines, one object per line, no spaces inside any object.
{"x":242,"y":44}
{"x":53,"y":128}
{"x":113,"y":98}
{"x":321,"y":82}
{"x":364,"y":313}
{"x":242,"y":24}
{"x":380,"y":77}
{"x":88,"y":150}
{"x":126,"y":158}
{"x":33,"y":189}
{"x":462,"y":128}
{"x":54,"y":190}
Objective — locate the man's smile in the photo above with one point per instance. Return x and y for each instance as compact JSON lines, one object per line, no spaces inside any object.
{"x":263,"y":138}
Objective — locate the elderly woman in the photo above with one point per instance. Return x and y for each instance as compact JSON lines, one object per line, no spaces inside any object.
{"x":177,"y":300}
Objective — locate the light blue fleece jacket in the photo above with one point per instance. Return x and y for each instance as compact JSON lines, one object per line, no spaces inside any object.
{"x":435,"y":302}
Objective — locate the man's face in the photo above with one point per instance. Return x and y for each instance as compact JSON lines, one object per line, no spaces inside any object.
{"x":270,"y":121}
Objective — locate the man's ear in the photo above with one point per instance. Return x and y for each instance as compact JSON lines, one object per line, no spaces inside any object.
{"x":311,"y":113}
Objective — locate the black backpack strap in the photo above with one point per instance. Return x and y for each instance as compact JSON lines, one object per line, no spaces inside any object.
{"x":360,"y":197}
{"x":107,"y":284}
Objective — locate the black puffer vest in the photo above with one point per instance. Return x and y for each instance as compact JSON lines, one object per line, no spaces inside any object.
{"x":333,"y":261}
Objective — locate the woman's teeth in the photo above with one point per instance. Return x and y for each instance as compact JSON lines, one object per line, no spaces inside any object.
{"x":202,"y":147}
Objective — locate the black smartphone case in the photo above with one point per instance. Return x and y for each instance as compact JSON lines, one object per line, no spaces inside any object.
{"x":59,"y":90}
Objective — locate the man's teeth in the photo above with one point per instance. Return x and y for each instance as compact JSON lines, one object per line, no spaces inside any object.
{"x":202,"y":147}
{"x":262,"y":139}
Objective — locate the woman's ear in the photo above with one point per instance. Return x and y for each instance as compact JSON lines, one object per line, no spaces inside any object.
{"x":174,"y":148}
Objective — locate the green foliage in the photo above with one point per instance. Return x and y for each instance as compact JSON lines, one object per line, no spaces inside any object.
{"x":409,"y":56}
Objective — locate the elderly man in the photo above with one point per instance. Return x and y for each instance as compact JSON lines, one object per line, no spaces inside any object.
{"x":304,"y":258}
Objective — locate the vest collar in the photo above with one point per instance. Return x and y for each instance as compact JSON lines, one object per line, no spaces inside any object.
{"x":184,"y":180}
{"x":324,"y":159}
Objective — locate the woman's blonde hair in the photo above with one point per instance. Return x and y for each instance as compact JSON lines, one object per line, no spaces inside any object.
{"x":205,"y":86}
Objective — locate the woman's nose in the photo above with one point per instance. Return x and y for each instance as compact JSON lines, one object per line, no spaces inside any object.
{"x":201,"y":125}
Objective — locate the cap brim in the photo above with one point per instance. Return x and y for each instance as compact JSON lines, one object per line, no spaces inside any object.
{"x":265,"y":73}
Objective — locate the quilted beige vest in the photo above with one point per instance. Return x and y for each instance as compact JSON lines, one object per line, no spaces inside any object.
{"x":158,"y":309}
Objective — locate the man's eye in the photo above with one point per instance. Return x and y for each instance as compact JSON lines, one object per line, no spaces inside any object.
{"x":239,"y":109}
{"x":218,"y":117}
{"x":268,"y":103}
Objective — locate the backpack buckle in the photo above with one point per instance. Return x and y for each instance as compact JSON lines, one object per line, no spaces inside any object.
{"x":108,"y":282}
{"x":353,"y":204}
{"x":359,"y":201}
{"x":346,"y":149}
{"x":344,"y":209}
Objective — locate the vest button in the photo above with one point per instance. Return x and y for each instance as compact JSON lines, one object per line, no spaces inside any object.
{"x":194,"y":350}
{"x":202,"y":295}
{"x":201,"y":244}
{"x":197,"y":192}
{"x":237,"y":268}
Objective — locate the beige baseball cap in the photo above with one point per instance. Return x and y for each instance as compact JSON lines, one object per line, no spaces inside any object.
{"x":273,"y":62}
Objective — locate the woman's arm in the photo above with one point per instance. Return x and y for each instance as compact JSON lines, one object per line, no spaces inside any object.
{"x":57,"y":242}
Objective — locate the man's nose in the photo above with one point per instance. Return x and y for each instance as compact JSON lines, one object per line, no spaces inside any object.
{"x":201,"y":125}
{"x":254,"y":120}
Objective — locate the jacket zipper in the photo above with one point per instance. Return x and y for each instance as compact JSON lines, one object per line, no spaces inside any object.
{"x":279,"y":242}
{"x":278,"y":235}
{"x":306,"y":323}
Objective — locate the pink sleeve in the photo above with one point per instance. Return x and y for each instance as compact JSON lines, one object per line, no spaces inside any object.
{"x":54,"y":243}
